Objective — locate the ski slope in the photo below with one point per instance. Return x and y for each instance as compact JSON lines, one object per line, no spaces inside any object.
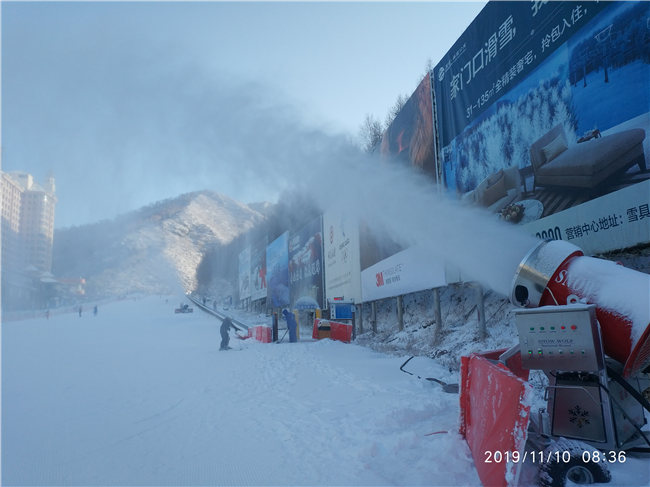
{"x":139,"y":395}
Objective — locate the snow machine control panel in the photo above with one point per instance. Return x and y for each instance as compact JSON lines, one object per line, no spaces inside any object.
{"x":560,"y":338}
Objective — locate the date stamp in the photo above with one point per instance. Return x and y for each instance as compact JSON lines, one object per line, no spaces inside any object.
{"x":587,"y":456}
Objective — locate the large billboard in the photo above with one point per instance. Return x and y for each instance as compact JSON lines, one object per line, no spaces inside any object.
{"x":409,"y":138}
{"x":408,"y":271}
{"x":245,"y":273}
{"x":277,"y":269}
{"x":342,"y":263}
{"x":258,"y":270}
{"x":306,"y":266}
{"x":543,"y":107}
{"x":387,"y":268}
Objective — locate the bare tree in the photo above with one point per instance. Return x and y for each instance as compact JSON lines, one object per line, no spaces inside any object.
{"x":370,"y":133}
{"x":428,"y":67}
{"x":395,"y":109}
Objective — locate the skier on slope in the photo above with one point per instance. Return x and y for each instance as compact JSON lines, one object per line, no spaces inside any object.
{"x":226,"y":324}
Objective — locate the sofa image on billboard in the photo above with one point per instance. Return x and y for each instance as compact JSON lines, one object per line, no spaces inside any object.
{"x":496,"y":191}
{"x":586,"y":165}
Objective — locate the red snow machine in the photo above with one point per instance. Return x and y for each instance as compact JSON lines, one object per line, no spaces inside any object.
{"x":584,"y":324}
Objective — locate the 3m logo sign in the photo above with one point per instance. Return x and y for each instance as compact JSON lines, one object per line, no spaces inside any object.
{"x":380,"y":279}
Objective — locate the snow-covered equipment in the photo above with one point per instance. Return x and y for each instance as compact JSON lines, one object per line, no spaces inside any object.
{"x":341,"y":309}
{"x":557,"y":273}
{"x":585,"y":323}
{"x":184,"y":308}
{"x":341,"y":322}
{"x":334,"y":330}
{"x":306,"y":303}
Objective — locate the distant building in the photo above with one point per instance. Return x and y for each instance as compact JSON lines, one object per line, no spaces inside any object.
{"x":27,"y":236}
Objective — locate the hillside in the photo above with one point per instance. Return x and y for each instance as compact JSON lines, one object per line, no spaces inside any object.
{"x":152,"y":250}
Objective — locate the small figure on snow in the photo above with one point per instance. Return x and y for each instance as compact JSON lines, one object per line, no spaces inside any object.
{"x":80,"y":310}
{"x":291,"y":325}
{"x":226,"y":324}
{"x":95,"y":310}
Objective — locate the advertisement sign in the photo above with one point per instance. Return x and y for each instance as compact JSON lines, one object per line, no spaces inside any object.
{"x":408,"y":271}
{"x":409,"y":138}
{"x":244,"y":273}
{"x":615,"y":221}
{"x":306,"y":266}
{"x":342,"y":264}
{"x":544,"y":106}
{"x":258,"y":270}
{"x":277,"y":268}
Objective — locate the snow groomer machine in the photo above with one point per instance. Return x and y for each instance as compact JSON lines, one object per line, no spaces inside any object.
{"x":584,"y":333}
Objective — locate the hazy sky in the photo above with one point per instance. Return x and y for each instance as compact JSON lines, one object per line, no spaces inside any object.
{"x":128,"y":103}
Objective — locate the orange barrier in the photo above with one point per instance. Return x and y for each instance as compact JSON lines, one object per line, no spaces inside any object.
{"x":494,"y":411}
{"x":261,"y":333}
{"x":332,"y":329}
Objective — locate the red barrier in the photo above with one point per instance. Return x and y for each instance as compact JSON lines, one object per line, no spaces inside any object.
{"x":314,"y":333}
{"x":337,"y":331}
{"x":495,"y":407}
{"x":341,"y":332}
{"x":262,"y":334}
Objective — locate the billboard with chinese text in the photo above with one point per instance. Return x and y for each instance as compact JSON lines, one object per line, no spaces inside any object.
{"x":409,"y":140}
{"x":543,"y":108}
{"x":277,"y":271}
{"x":244,"y":273}
{"x":258,"y":270}
{"x":306,"y":266}
{"x":341,"y":257}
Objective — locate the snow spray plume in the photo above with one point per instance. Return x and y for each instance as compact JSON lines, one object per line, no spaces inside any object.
{"x":260,"y":144}
{"x":406,"y":207}
{"x":184,"y":129}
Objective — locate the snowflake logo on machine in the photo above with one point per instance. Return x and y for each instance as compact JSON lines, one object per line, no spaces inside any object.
{"x":579,"y":416}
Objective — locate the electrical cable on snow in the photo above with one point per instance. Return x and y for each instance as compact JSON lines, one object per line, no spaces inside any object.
{"x":437,"y":433}
{"x":449,"y":388}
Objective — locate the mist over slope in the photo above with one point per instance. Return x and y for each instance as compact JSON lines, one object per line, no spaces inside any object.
{"x":152,"y":250}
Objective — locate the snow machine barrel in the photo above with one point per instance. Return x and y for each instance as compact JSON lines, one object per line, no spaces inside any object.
{"x":557,"y":273}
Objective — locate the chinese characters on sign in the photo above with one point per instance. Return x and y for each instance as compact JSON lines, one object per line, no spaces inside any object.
{"x":558,"y":30}
{"x":497,"y":41}
{"x":634,"y":214}
{"x":501,"y":82}
{"x":537,"y":5}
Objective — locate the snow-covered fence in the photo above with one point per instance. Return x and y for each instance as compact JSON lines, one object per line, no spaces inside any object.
{"x":217,"y":314}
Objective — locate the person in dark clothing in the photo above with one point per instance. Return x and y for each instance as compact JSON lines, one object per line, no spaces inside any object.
{"x":226,"y":324}
{"x":291,"y":325}
{"x":95,"y":310}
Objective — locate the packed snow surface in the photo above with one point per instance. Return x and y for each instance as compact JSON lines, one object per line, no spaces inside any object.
{"x":139,"y":395}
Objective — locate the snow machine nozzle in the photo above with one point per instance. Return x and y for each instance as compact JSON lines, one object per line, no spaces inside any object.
{"x":558,"y":273}
{"x":536,"y":270}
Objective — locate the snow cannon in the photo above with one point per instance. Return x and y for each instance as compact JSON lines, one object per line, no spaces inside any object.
{"x":557,"y":273}
{"x":585,"y":324}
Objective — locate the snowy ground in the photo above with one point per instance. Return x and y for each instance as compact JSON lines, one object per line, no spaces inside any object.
{"x":141,"y":396}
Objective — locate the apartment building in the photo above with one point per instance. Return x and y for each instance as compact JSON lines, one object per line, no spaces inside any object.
{"x":27,"y":234}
